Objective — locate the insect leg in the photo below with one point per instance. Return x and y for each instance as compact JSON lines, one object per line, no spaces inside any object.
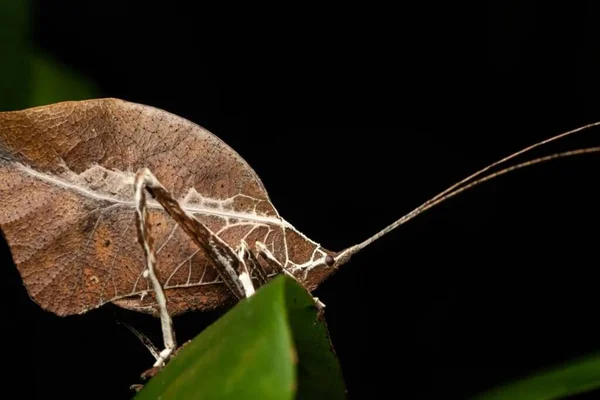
{"x":147,"y":242}
{"x":271,"y":260}
{"x":145,"y":341}
{"x":224,"y":258}
{"x":253,"y":264}
{"x":244,"y":270}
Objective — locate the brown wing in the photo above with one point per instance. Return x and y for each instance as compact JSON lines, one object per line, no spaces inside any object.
{"x":67,"y":209}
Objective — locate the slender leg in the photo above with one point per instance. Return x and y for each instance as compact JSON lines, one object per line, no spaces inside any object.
{"x":145,"y":341}
{"x":225,"y":259}
{"x":147,"y":242}
{"x":253,"y":264}
{"x":271,"y":260}
{"x":151,"y":348}
{"x":245,"y":275}
{"x":227,"y":263}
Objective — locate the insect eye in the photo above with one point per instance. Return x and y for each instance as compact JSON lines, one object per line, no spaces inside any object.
{"x":329,"y":260}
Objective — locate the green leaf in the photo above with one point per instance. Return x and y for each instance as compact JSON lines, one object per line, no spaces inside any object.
{"x":28,"y":76}
{"x":269,"y":346}
{"x":52,"y":82}
{"x":15,"y":51}
{"x":557,"y":383}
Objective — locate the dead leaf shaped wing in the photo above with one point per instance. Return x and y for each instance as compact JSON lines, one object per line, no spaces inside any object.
{"x":67,"y":206}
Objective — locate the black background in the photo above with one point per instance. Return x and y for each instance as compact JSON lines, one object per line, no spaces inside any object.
{"x":353,"y":116}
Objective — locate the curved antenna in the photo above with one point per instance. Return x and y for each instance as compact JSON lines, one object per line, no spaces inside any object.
{"x":468,"y":183}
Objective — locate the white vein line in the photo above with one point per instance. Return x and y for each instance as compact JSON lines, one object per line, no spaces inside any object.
{"x":264,"y":239}
{"x":312,"y":256}
{"x":252,"y":230}
{"x":203,"y":273}
{"x":152,"y":203}
{"x":267,"y":235}
{"x":168,"y":238}
{"x":189,"y":271}
{"x":179,"y":266}
{"x":285,"y":246}
{"x":307,"y":266}
{"x":256,"y":225}
{"x":185,"y":285}
{"x":138,"y":279}
{"x":71,"y":186}
{"x":273,"y":250}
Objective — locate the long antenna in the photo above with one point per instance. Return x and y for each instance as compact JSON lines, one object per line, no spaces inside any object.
{"x":470,"y":182}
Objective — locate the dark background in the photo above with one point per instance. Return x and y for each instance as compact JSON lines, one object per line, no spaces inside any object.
{"x":352,"y":117}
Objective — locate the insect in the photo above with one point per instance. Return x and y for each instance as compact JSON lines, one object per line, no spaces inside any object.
{"x":108,"y":201}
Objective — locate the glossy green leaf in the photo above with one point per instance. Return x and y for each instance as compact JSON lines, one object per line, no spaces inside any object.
{"x":269,"y":346}
{"x":557,"y":383}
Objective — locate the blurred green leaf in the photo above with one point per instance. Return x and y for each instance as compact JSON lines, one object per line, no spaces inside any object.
{"x":269,"y":346}
{"x":15,"y":54}
{"x":557,"y":383}
{"x":29,"y":77}
{"x":52,"y":82}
